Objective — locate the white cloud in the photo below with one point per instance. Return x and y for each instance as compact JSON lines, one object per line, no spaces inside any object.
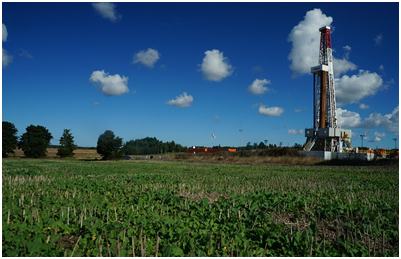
{"x":183,"y":100}
{"x":215,"y":66}
{"x":258,"y":86}
{"x":270,"y":111}
{"x":342,"y":66}
{"x":363,"y":106}
{"x":390,"y":122}
{"x":347,"y":119}
{"x":107,"y":11}
{"x":111,"y":85}
{"x":378,"y":39}
{"x":297,"y":110}
{"x":6,"y":58}
{"x":95,"y":104}
{"x":295,"y":132}
{"x":305,"y":38}
{"x":350,"y":119}
{"x":347,"y":49}
{"x":354,"y":88}
{"x":4,"y":33}
{"x":147,"y":58}
{"x":378,"y":136}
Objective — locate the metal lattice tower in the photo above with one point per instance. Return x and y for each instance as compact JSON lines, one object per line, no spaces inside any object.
{"x":325,"y":135}
{"x":323,"y":81}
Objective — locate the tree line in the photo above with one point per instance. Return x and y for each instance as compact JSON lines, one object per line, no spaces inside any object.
{"x":35,"y":141}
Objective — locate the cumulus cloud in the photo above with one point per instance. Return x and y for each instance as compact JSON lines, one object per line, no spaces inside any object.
{"x":270,"y":111}
{"x":147,"y":58}
{"x":295,"y":132}
{"x":378,"y":137}
{"x":4,"y":33}
{"x":390,"y":122}
{"x":347,"y":119}
{"x":350,"y":119}
{"x":305,"y":39}
{"x":111,"y":85}
{"x":183,"y":100}
{"x":215,"y":66}
{"x":342,"y":66}
{"x":363,"y":106}
{"x":354,"y":88}
{"x":6,"y":58}
{"x":107,"y":11}
{"x":258,"y":86}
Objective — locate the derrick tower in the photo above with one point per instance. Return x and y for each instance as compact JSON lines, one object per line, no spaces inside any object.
{"x":325,"y":134}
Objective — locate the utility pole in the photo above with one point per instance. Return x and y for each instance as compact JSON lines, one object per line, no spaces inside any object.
{"x":240,"y":139}
{"x":395,"y":143}
{"x":362,"y":136}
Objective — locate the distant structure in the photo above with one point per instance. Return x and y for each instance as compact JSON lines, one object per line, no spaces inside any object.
{"x":325,"y":134}
{"x":195,"y":150}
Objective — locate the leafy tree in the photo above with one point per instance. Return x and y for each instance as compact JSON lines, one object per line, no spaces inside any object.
{"x":148,"y":145}
{"x":297,"y":146}
{"x":35,"y":141}
{"x":248,"y":146}
{"x":261,"y":145}
{"x":172,"y":146}
{"x":67,"y":145}
{"x":10,"y":139}
{"x":109,"y":146}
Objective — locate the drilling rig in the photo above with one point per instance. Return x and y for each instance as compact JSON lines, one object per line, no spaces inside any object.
{"x":325,"y":134}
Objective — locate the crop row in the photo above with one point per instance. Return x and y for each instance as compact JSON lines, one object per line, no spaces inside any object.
{"x":170,"y":209}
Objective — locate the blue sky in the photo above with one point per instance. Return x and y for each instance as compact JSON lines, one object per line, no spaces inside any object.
{"x":184,"y":71}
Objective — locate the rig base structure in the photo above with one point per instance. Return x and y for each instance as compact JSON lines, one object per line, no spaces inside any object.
{"x":327,"y":139}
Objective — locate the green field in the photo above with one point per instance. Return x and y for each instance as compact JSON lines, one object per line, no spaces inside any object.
{"x":151,"y":208}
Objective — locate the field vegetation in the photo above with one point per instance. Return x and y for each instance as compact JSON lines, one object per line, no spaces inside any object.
{"x":275,"y":156}
{"x":70,"y":207}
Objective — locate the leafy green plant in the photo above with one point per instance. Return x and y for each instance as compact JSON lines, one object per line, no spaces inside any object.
{"x":78,"y":208}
